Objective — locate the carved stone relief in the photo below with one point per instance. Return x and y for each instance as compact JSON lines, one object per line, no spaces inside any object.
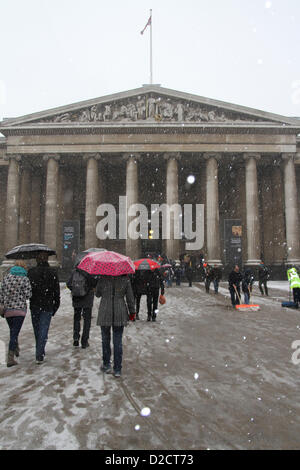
{"x":149,"y":107}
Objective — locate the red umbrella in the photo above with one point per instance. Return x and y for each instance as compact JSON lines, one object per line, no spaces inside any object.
{"x":146,"y":264}
{"x":106,"y":263}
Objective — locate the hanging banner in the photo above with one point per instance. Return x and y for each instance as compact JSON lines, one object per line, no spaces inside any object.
{"x":233,"y":241}
{"x":71,"y":239}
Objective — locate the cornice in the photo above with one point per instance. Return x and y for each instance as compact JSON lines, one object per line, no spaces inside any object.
{"x":149,"y":128}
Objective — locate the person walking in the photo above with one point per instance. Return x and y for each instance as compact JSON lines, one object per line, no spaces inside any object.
{"x":189,"y":273}
{"x":14,"y":292}
{"x":209,"y":277}
{"x":155,"y":284}
{"x":178,"y":272}
{"x":217,"y":276}
{"x":44,"y":302}
{"x":263,"y":277}
{"x":82,"y":288}
{"x":294,"y":281}
{"x":139,"y":287}
{"x":247,"y":284}
{"x":113,"y":316}
{"x":234,"y":281}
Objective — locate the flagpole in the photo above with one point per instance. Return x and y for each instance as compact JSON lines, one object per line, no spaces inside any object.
{"x":151,"y":65}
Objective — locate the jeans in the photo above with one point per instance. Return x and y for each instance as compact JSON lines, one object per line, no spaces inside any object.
{"x":216,"y":286}
{"x":41,"y":322}
{"x":87,"y":315}
{"x":117,"y":343}
{"x":246,"y":298}
{"x":15,"y":325}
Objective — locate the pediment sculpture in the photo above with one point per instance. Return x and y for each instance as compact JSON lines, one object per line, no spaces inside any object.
{"x":149,"y":107}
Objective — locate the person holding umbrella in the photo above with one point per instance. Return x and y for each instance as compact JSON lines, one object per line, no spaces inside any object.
{"x":117,"y":302}
{"x":14,"y":292}
{"x":44,"y":302}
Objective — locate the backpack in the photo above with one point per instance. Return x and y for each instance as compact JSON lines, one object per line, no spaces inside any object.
{"x":79,"y":285}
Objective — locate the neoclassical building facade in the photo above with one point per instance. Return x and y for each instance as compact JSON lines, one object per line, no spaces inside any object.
{"x":57,"y":166}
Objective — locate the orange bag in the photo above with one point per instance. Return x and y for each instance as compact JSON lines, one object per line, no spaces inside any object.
{"x":162,"y":299}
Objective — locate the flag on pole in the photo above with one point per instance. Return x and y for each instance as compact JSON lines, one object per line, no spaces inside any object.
{"x":147,"y":24}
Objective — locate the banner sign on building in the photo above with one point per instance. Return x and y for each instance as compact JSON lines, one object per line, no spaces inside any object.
{"x":71,"y":238}
{"x":233,"y":241}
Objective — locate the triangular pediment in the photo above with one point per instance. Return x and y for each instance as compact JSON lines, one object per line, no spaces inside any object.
{"x":153,"y":104}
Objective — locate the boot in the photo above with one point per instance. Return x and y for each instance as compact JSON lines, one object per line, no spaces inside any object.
{"x":10,"y":359}
{"x":17,"y":350}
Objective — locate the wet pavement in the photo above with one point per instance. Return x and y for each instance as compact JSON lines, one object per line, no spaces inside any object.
{"x":205,"y":375}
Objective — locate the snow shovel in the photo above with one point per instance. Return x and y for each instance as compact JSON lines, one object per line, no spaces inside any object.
{"x":245,"y":307}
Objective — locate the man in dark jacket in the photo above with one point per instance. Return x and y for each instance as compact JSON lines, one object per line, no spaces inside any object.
{"x":154,"y":284}
{"x":263,"y":277}
{"x":209,"y":277}
{"x":82,"y":287}
{"x":234,"y":281}
{"x":44,"y":302}
{"x":139,"y":287}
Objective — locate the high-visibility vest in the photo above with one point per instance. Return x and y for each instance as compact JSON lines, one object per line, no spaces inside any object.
{"x":293,"y":278}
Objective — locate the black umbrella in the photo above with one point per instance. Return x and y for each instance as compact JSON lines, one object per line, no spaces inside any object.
{"x":29,"y":251}
{"x":82,"y":254}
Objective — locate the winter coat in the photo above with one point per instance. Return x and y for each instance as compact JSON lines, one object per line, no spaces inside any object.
{"x":87,"y":300}
{"x":113,"y":310}
{"x":247,"y":281}
{"x":235,"y":278}
{"x":263,"y":273}
{"x":155,"y":281}
{"x":217,"y":273}
{"x":14,"y":292}
{"x":45,"y":288}
{"x":140,"y":283}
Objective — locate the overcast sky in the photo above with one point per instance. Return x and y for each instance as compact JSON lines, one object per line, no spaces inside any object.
{"x":57,"y":52}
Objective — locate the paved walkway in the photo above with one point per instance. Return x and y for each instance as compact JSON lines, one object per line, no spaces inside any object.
{"x":206,"y":376}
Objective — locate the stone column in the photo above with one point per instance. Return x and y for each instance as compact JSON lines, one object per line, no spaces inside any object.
{"x":91,"y":199}
{"x":51,"y":201}
{"x":172,"y":199}
{"x":278,"y":215}
{"x":132,"y":195}
{"x":25,"y":202}
{"x":212,"y":210}
{"x":291,"y":209}
{"x":252,"y":215}
{"x":12,"y":203}
{"x":35,"y":212}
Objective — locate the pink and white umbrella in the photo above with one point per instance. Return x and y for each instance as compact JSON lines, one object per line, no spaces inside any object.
{"x":106,"y":263}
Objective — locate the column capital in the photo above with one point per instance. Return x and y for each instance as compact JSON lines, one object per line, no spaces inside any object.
{"x":209,"y":155}
{"x":134,"y":156}
{"x":17,"y":157}
{"x":50,"y":156}
{"x":288,"y":157}
{"x":172,"y":156}
{"x":87,"y":156}
{"x":248,"y":156}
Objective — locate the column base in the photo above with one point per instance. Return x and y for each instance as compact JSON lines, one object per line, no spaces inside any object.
{"x":5,"y":266}
{"x":216,"y":262}
{"x":53,"y":263}
{"x":293,"y":262}
{"x":253,"y":262}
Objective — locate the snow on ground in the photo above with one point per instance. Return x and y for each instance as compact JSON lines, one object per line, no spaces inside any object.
{"x":209,"y":377}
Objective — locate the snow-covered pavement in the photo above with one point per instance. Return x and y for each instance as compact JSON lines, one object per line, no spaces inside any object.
{"x":203,"y":376}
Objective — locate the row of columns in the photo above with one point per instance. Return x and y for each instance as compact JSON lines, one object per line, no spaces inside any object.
{"x":14,"y":229}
